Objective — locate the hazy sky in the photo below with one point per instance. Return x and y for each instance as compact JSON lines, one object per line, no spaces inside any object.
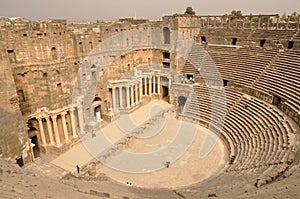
{"x":113,"y":9}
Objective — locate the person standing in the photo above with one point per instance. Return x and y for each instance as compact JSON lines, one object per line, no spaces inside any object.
{"x":78,"y":168}
{"x":168,"y":163}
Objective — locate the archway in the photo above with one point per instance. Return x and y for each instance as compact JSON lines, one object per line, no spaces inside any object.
{"x":97,"y":108}
{"x":33,"y":136}
{"x":54,"y":53}
{"x":35,"y":146}
{"x":165,"y":93}
{"x":97,"y":113}
{"x":166,"y":32}
{"x":20,"y":161}
{"x":181,"y":102}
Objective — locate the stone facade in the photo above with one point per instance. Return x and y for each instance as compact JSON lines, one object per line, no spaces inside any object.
{"x":40,"y":60}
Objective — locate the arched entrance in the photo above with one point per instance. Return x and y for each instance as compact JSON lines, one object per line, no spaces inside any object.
{"x":165,"y":93}
{"x":97,"y":108}
{"x":20,"y":161}
{"x":181,"y":102}
{"x":33,"y":137}
{"x":166,"y":32}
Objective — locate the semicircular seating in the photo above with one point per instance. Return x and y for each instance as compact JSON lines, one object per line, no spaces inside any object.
{"x":262,"y":138}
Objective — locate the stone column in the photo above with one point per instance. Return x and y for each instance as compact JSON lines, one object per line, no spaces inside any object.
{"x":298,"y":23}
{"x":150,"y":85}
{"x":141,"y":90}
{"x":136,"y":93}
{"x":158,"y":85}
{"x":145,"y":85}
{"x":30,"y":149}
{"x":42,"y":133}
{"x":169,"y":83}
{"x":243,"y":24}
{"x":222,"y":22}
{"x":121,"y":97}
{"x":258,"y":24}
{"x":287,"y":23}
{"x":50,"y":132}
{"x":114,"y":97}
{"x":268,"y":23}
{"x":228,"y":24}
{"x":277,"y":23}
{"x":132,"y":95}
{"x":63,"y":117}
{"x":154,"y":84}
{"x":73,"y":124}
{"x":127,"y":97}
{"x":56,"y":133}
{"x":80,"y":118}
{"x":215,"y":22}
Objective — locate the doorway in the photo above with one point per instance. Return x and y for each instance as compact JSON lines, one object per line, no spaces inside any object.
{"x":165,"y":93}
{"x":181,"y":102}
{"x":262,"y":43}
{"x":97,"y":113}
{"x":234,"y":40}
{"x":276,"y":100}
{"x":225,"y":82}
{"x":35,"y":146}
{"x":290,"y":44}
{"x":32,"y":125}
{"x":166,"y":33}
{"x":20,"y":161}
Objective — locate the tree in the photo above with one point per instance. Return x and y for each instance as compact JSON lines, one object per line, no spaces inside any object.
{"x":284,"y":17}
{"x":189,"y":11}
{"x":294,"y":16}
{"x":236,"y":14}
{"x":254,"y":19}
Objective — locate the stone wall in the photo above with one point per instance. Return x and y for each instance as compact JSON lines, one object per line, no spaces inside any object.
{"x":13,"y":142}
{"x":40,"y":60}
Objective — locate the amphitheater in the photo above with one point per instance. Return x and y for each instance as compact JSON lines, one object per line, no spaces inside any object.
{"x":182,"y":107}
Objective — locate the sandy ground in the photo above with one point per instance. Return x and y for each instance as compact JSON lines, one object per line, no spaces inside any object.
{"x":42,"y":179}
{"x":186,"y":166}
{"x":186,"y":170}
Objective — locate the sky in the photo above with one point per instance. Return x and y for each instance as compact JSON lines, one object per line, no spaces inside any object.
{"x":90,"y":10}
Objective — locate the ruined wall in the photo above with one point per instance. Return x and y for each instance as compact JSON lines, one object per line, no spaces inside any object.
{"x":40,"y":60}
{"x":41,"y":56}
{"x":13,"y":142}
{"x":187,"y":25}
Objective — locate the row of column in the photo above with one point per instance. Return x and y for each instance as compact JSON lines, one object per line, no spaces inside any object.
{"x":132,"y":95}
{"x":134,"y":92}
{"x":150,"y":82}
{"x":207,"y":23}
{"x":53,"y":130}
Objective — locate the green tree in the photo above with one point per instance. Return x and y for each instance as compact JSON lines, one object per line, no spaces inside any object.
{"x":236,"y":14}
{"x":283,"y":17}
{"x":189,"y":11}
{"x":294,"y":16}
{"x":254,"y":19}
